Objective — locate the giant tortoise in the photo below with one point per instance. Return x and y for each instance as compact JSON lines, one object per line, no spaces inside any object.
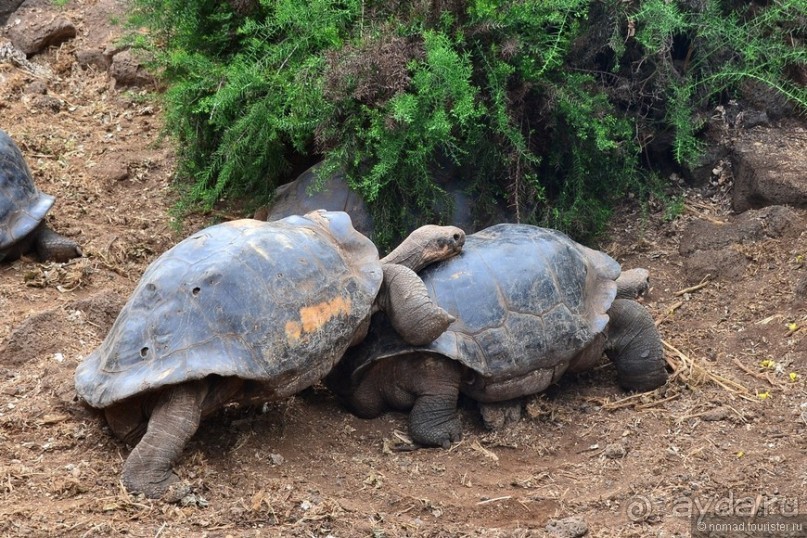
{"x":242,"y":311}
{"x":309,"y":192}
{"x":22,"y":211}
{"x":530,"y":304}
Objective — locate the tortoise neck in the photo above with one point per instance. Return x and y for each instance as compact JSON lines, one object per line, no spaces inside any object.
{"x":409,"y":254}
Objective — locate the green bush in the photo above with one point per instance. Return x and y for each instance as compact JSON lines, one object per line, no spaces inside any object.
{"x":540,"y":107}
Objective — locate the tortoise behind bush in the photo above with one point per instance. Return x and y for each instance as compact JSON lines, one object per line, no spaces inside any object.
{"x":308,"y":192}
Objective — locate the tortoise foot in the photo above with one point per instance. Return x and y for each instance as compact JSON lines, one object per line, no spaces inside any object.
{"x":497,"y":416}
{"x":55,"y":247}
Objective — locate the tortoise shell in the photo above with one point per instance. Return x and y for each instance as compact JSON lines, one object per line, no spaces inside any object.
{"x":308,"y":193}
{"x":277,"y":302}
{"x":22,"y":206}
{"x":526,"y":299}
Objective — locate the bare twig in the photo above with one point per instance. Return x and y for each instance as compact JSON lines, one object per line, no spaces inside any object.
{"x":696,"y":372}
{"x":757,"y":375}
{"x":486,"y":501}
{"x":702,"y":284}
{"x":669,"y":312}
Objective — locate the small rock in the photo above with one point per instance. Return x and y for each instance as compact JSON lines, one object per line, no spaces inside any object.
{"x":93,"y":58}
{"x":35,"y":33}
{"x":192,"y":499}
{"x":570,"y":527}
{"x":753,"y":118}
{"x":127,"y":70}
{"x":37,"y":87}
{"x":276,"y":459}
{"x":800,"y":290}
{"x":47,"y":103}
{"x":615,"y":451}
{"x":111,"y":169}
{"x":717,"y":414}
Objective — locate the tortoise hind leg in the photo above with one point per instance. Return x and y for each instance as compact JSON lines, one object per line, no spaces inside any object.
{"x":174,"y":419}
{"x":498,"y":415}
{"x":52,"y":246}
{"x":634,"y":346}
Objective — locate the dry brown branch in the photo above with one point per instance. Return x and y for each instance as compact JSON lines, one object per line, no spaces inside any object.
{"x":487,"y":501}
{"x":655,"y":403}
{"x":669,"y":312}
{"x":479,"y":448}
{"x":758,"y":375}
{"x":696,"y":287}
{"x":694,"y":374}
{"x":618,"y":404}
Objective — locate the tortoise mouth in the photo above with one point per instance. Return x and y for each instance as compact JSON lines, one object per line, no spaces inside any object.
{"x":446,"y":246}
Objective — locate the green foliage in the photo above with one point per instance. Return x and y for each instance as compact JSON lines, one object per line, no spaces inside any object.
{"x":538,"y":108}
{"x":695,"y":56}
{"x":674,"y":207}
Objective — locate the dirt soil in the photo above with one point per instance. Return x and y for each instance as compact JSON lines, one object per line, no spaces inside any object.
{"x":729,"y":427}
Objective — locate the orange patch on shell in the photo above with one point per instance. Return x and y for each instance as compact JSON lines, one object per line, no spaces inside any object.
{"x":314,"y":317}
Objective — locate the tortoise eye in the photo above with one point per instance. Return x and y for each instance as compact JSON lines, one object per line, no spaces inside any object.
{"x":195,"y":291}
{"x":144,"y":351}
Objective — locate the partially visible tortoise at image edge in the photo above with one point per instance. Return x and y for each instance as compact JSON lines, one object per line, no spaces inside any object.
{"x":22,"y":212}
{"x":530,"y":304}
{"x":247,"y":311}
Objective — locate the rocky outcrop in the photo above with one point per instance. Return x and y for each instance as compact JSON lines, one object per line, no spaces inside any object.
{"x":714,"y":249}
{"x":32,"y":28}
{"x":770,"y":168}
{"x":35,"y":32}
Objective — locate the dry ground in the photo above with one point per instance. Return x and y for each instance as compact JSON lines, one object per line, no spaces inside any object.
{"x":729,"y":426}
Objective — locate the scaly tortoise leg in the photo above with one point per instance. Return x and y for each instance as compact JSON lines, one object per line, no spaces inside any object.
{"x":51,"y":246}
{"x":174,"y":419}
{"x":634,"y":346}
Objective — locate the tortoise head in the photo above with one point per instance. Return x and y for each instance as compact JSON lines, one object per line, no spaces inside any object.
{"x":426,"y":245}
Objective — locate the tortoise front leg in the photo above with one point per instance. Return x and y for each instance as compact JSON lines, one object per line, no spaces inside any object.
{"x":426,"y":385}
{"x":411,"y":311}
{"x":174,"y":420}
{"x":52,"y":246}
{"x":634,"y":346}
